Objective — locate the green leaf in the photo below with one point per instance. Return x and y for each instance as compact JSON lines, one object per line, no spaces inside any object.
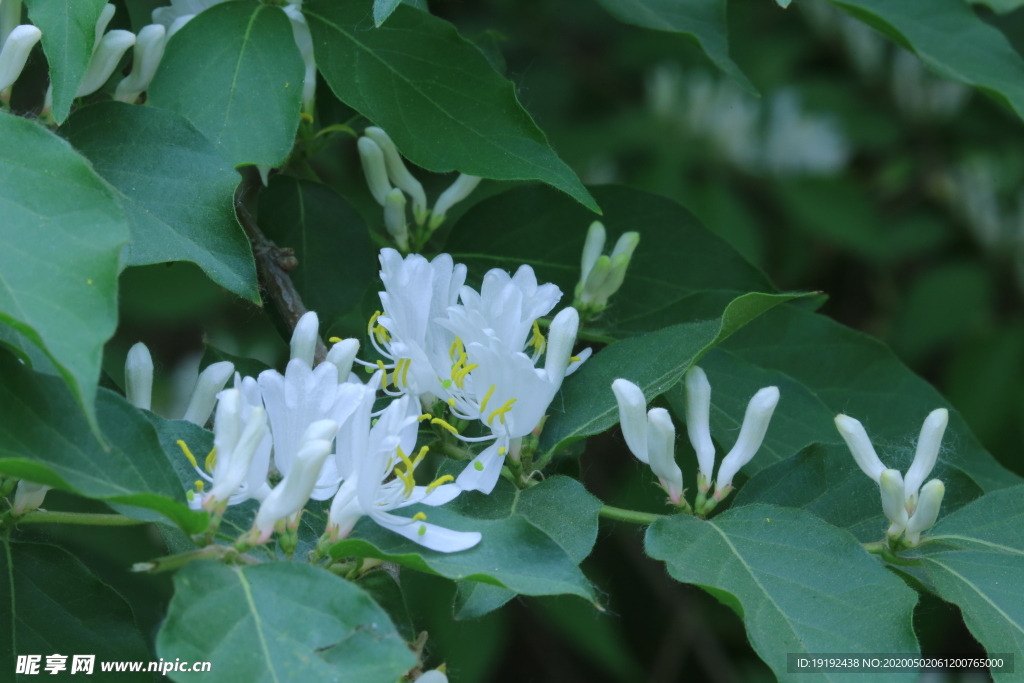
{"x":473,"y":600}
{"x":526,"y":547}
{"x":980,"y":56}
{"x":69,"y":32}
{"x":386,"y":592}
{"x":44,"y":438}
{"x":235,"y":73}
{"x":654,"y":361}
{"x":332,"y":244}
{"x":679,"y":272}
{"x":279,"y":622}
{"x":382,"y":9}
{"x":54,"y":604}
{"x":175,"y":186}
{"x":60,"y":240}
{"x":801,"y":585}
{"x":703,"y":21}
{"x":434,"y":93}
{"x":1000,"y":6}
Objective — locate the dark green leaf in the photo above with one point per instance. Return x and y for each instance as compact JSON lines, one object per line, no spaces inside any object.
{"x":175,"y":185}
{"x":279,"y":622}
{"x":53,"y":604}
{"x":473,"y":600}
{"x":331,"y":243}
{"x":385,"y":591}
{"x":60,"y":240}
{"x":801,"y":585}
{"x":434,"y":93}
{"x":235,"y":73}
{"x":69,"y":32}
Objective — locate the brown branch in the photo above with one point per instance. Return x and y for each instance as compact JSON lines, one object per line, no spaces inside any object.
{"x":273,"y":263}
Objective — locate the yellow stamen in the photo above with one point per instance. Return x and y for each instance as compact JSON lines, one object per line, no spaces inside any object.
{"x":384,"y":377}
{"x":537,"y":341}
{"x":419,"y":517}
{"x":574,"y":359}
{"x":211,"y":460}
{"x":451,"y":402}
{"x":501,"y":450}
{"x":200,"y":485}
{"x":305,"y":117}
{"x":460,"y":379}
{"x":419,"y":456}
{"x":440,"y":480}
{"x":188,"y":454}
{"x":405,"y":371}
{"x":451,"y":349}
{"x":373,"y":319}
{"x":500,"y":412}
{"x":405,"y":460}
{"x":438,"y":421}
{"x":334,"y":340}
{"x":424,"y":416}
{"x":487,"y":397}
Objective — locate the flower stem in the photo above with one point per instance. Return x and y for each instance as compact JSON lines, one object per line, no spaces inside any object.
{"x":95,"y":519}
{"x":622,"y":515}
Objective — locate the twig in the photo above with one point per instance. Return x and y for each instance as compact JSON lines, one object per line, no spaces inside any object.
{"x":95,"y":519}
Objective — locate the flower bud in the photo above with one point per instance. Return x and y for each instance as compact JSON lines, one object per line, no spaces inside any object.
{"x":292,"y":493}
{"x":304,"y":41}
{"x":15,"y":53}
{"x":28,"y":496}
{"x":399,"y":174}
{"x":752,"y":431}
{"x":394,"y":218}
{"x":611,"y":284}
{"x":433,"y":676}
{"x":374,"y":169}
{"x":10,"y":17}
{"x":632,"y":417}
{"x":106,"y":14}
{"x":928,"y":444}
{"x":459,"y":190}
{"x":626,"y":245}
{"x":594,"y":284}
{"x":342,"y":355}
{"x":927,"y":511}
{"x":210,"y":382}
{"x":698,"y":420}
{"x":592,"y":249}
{"x":232,"y":466}
{"x":561,"y":338}
{"x":661,"y":446}
{"x":890,"y":483}
{"x":104,"y":60}
{"x":149,"y":50}
{"x":860,"y":446}
{"x":138,"y":377}
{"x":305,"y":337}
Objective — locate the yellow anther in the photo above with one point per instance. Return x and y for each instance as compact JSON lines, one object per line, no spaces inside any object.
{"x":420,"y":517}
{"x":574,"y":359}
{"x":334,"y":340}
{"x":441,"y":423}
{"x":384,"y":377}
{"x":500,"y":412}
{"x":373,"y":319}
{"x":451,"y":402}
{"x":424,"y":416}
{"x":440,"y":480}
{"x":419,"y":456}
{"x":405,"y":371}
{"x":305,"y":117}
{"x":537,"y":341}
{"x":501,"y":450}
{"x":211,"y":460}
{"x":487,"y":397}
{"x":451,"y":350}
{"x":422,"y":530}
{"x":408,"y":484}
{"x":188,"y":454}
{"x":382,"y":334}
{"x":405,"y":460}
{"x":460,"y":377}
{"x":200,"y":485}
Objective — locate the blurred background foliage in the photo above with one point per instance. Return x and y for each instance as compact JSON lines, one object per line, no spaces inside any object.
{"x":855,"y":172}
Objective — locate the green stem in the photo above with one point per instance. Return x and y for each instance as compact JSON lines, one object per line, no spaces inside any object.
{"x":623,"y":515}
{"x":94,"y":519}
{"x":876,"y":548}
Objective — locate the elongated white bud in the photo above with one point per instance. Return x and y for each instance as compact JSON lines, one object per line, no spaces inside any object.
{"x":394,"y":218}
{"x":860,"y":446}
{"x":10,"y":17}
{"x":626,"y":245}
{"x":305,"y":337}
{"x":594,"y":284}
{"x":15,"y":53}
{"x":106,"y":14}
{"x":592,"y":249}
{"x":138,"y":377}
{"x":561,"y":338}
{"x":698,"y":421}
{"x":149,"y":50}
{"x":227,"y":423}
{"x":232,"y":467}
{"x":104,"y":61}
{"x":342,"y":355}
{"x":210,"y":382}
{"x":178,"y":24}
{"x":459,"y":190}
{"x":891,"y":485}
{"x":632,"y":417}
{"x":928,"y":444}
{"x":927,"y":511}
{"x":304,"y":41}
{"x":433,"y":676}
{"x":661,"y":448}
{"x":293,"y":492}
{"x":752,"y":431}
{"x":621,"y":256}
{"x":28,"y":496}
{"x":321,"y":430}
{"x":374,"y":169}
{"x":399,"y":173}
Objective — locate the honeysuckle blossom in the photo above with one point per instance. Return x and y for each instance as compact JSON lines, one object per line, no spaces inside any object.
{"x":210,"y":382}
{"x":368,"y":454}
{"x":374,"y":168}
{"x":650,"y":436}
{"x":907,"y":489}
{"x":600,"y":275}
{"x":342,"y":355}
{"x":394,"y":218}
{"x":27,"y":497}
{"x":399,"y":174}
{"x":304,"y":338}
{"x":149,"y":50}
{"x":456,"y":192}
{"x":752,"y":431}
{"x":138,"y":377}
{"x":13,"y":55}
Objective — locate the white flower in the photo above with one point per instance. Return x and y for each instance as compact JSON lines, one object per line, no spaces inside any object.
{"x":369,"y":455}
{"x":752,"y":431}
{"x":27,"y":497}
{"x":857,"y":441}
{"x":342,"y":355}
{"x":15,"y":53}
{"x":651,"y":437}
{"x":204,"y":396}
{"x":698,"y":424}
{"x":399,"y":174}
{"x":304,"y":41}
{"x":459,"y":190}
{"x":138,"y":377}
{"x":374,"y":168}
{"x":927,"y":511}
{"x":928,"y":444}
{"x":891,"y":485}
{"x":104,"y":60}
{"x":304,"y":338}
{"x":149,"y":50}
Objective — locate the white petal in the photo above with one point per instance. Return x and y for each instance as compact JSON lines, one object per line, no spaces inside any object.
{"x":860,"y":446}
{"x":927,"y":510}
{"x":661,"y":443}
{"x":305,"y":337}
{"x":928,"y":444}
{"x":211,"y":380}
{"x":483,"y":471}
{"x":698,"y":420}
{"x":632,"y":417}
{"x":138,"y":376}
{"x":561,"y":338}
{"x":891,"y":485}
{"x":752,"y":431}
{"x":428,"y":535}
{"x":592,"y":248}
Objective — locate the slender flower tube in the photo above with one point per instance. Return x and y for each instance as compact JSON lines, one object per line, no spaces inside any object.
{"x":394,"y":218}
{"x":592,"y":248}
{"x":437,"y":675}
{"x":752,"y":431}
{"x":456,"y":192}
{"x":28,"y":496}
{"x":138,"y":377}
{"x":204,"y":396}
{"x":342,"y":355}
{"x":927,"y":511}
{"x":104,"y":60}
{"x":928,"y":444}
{"x":305,"y":337}
{"x":236,"y":443}
{"x":593,"y":286}
{"x":304,"y":41}
{"x":149,"y":50}
{"x":860,"y":446}
{"x":698,"y":424}
{"x":10,"y":17}
{"x":15,"y":53}
{"x":651,"y":437}
{"x":106,"y":14}
{"x":632,"y":417}
{"x":891,"y":486}
{"x":374,"y":169}
{"x":621,"y":256}
{"x":561,"y":338}
{"x":399,"y":173}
